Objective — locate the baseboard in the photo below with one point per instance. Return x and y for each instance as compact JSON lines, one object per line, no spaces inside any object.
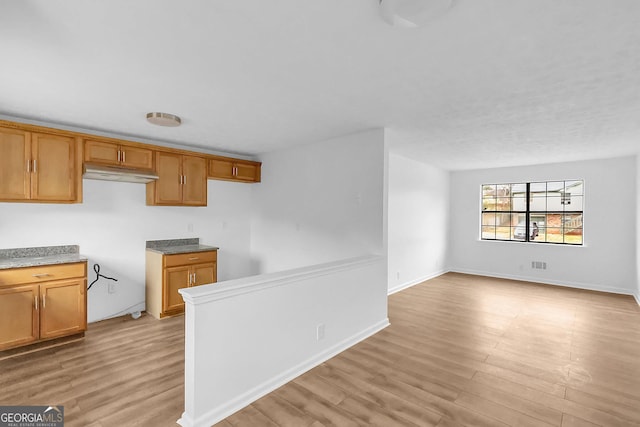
{"x":637,"y":297}
{"x":578,"y":285}
{"x":218,"y":414}
{"x":411,"y":283}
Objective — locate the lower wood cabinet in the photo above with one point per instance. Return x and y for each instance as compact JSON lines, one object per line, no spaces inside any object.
{"x":166,"y":274}
{"x":40,"y":303}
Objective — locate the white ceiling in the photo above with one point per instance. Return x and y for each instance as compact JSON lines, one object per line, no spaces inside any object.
{"x":491,"y":83}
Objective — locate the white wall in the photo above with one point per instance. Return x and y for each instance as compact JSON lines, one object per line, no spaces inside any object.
{"x":607,"y":261}
{"x":418,"y":221}
{"x":320,"y":202}
{"x":112,"y":225}
{"x":637,"y":291}
{"x":247,"y":337}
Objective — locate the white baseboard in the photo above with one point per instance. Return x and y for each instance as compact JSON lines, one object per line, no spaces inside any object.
{"x":637,"y":297}
{"x":411,"y":283}
{"x":218,"y":414}
{"x":578,"y":285}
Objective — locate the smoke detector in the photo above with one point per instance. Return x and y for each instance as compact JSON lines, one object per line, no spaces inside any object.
{"x":164,"y":119}
{"x":412,"y":13}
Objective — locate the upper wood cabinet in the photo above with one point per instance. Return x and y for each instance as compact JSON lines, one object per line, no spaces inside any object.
{"x":109,"y":153}
{"x":182,"y":181}
{"x":234,"y":170}
{"x":39,"y":167}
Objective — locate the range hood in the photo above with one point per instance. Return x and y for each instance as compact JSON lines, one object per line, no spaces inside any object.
{"x":117,"y":173}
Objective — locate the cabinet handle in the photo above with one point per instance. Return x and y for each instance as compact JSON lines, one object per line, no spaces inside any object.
{"x":123,"y":157}
{"x":36,"y":298}
{"x":193,"y":258}
{"x":235,"y":171}
{"x":35,"y":166}
{"x":40,"y":275}
{"x":44,"y":301}
{"x":118,"y":155}
{"x":184,"y":177}
{"x":28,"y":166}
{"x":194,"y":278}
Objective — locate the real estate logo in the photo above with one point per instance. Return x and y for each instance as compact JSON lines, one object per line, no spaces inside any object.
{"x":31,"y":416}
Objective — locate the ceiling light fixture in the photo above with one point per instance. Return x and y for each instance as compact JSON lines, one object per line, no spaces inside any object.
{"x":412,"y":13}
{"x":164,"y":119}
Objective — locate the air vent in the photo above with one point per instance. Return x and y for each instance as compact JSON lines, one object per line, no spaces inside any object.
{"x":538,"y":265}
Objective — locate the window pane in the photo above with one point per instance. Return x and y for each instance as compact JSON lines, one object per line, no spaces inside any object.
{"x":503,"y":190}
{"x":574,"y":187}
{"x":489,"y":204}
{"x":554,"y":235}
{"x":519,"y":190}
{"x":503,"y":226}
{"x":538,"y":188}
{"x":572,"y":228}
{"x":488,"y":232}
{"x":555,"y":187}
{"x":519,"y":227}
{"x":554,"y":202}
{"x":503,"y":204}
{"x":541,"y":235}
{"x":488,"y":191}
{"x":519,"y":204}
{"x":572,"y":202}
{"x":538,"y":204}
{"x":488,"y":219}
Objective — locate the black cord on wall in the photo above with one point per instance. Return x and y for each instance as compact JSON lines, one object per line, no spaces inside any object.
{"x":96,"y":268}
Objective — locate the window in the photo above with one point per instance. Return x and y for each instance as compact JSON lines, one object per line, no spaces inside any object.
{"x":539,"y":212}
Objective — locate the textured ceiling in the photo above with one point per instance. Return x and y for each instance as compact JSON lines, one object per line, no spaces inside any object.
{"x":490,"y":83}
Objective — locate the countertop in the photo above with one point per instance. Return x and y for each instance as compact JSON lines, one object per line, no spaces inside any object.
{"x":45,"y":255}
{"x":178,"y":246}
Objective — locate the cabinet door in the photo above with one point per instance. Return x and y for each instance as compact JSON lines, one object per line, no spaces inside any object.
{"x":167,"y":189}
{"x":101,"y":152}
{"x":221,"y":169}
{"x":247,"y":172}
{"x":204,"y":274}
{"x":174,"y":278}
{"x":134,"y":157}
{"x":18,"y":315}
{"x":15,"y":179}
{"x":194,"y":170}
{"x":62,"y":308}
{"x":53,"y":177}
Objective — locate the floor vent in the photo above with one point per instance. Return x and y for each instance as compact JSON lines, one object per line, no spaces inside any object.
{"x":539,"y":265}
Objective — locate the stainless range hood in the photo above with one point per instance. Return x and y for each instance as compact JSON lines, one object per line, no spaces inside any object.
{"x":117,"y":173}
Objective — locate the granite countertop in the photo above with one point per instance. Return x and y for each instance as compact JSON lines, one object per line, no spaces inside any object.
{"x":45,"y":255}
{"x":178,"y":246}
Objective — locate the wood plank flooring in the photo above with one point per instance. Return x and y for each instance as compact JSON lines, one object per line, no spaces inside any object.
{"x":461,"y":351}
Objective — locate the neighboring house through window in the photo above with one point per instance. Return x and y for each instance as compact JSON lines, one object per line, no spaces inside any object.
{"x":539,"y":212}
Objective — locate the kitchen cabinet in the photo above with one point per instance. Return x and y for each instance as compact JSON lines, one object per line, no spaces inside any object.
{"x":234,"y":170}
{"x":182,"y":181}
{"x":166,"y":274}
{"x":39,"y":167}
{"x":124,"y":155}
{"x":41,"y":303}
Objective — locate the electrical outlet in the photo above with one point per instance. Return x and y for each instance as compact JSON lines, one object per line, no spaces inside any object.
{"x":320,"y":332}
{"x":111,"y":288}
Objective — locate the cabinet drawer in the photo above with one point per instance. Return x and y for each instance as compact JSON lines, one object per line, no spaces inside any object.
{"x":190,"y":258}
{"x":16,"y":276}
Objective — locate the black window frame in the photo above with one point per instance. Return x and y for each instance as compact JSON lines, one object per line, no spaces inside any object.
{"x":564,"y":198}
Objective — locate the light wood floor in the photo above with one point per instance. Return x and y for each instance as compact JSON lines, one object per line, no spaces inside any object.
{"x":461,"y":351}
